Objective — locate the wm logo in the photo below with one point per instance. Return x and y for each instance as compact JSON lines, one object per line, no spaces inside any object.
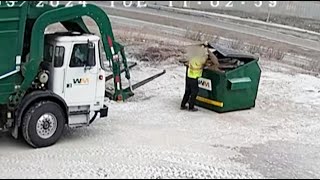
{"x":81,"y":81}
{"x":204,"y":83}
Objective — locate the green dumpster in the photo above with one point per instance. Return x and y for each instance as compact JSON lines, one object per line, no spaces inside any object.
{"x":234,"y":88}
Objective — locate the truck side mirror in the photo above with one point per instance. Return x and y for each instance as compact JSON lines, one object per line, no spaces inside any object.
{"x":91,"y":55}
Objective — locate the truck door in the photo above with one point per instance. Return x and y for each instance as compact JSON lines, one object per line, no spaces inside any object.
{"x":81,"y":76}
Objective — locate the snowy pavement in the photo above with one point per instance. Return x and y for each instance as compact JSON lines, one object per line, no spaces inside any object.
{"x":149,"y":137}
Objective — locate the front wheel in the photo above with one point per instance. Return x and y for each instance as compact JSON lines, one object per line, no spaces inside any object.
{"x":43,"y":124}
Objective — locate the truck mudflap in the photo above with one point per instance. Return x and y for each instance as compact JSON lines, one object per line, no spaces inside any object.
{"x":103,"y":113}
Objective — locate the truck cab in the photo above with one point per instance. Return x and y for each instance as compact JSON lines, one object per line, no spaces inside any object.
{"x":48,"y":81}
{"x":76,"y":73}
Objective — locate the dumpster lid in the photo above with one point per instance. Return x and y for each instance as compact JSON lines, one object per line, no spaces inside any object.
{"x":231,"y":53}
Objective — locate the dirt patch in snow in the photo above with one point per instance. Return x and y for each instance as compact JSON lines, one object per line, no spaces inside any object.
{"x":158,"y":54}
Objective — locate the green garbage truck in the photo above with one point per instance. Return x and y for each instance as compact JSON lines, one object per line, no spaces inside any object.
{"x":48,"y":81}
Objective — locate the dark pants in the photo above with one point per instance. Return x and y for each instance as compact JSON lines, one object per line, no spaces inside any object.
{"x":191,"y":92}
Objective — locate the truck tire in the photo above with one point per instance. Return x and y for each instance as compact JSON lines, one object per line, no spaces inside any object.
{"x":43,"y":124}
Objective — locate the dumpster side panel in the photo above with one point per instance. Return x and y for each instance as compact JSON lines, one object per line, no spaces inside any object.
{"x":234,"y":90}
{"x":242,"y":87}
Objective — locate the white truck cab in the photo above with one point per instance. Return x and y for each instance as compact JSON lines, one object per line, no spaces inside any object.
{"x":77,"y":75}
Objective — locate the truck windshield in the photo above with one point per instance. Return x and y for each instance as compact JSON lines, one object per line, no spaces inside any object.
{"x":103,"y":62}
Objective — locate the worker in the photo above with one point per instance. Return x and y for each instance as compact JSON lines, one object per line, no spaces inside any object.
{"x":78,"y":58}
{"x":197,"y":60}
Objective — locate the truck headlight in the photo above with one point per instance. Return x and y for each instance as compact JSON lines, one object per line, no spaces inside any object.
{"x":43,"y":77}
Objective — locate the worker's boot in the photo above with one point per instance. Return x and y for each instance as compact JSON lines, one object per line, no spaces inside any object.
{"x":193,"y":110}
{"x":183,"y":108}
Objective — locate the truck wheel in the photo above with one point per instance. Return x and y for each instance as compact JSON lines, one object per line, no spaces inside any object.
{"x":43,"y":124}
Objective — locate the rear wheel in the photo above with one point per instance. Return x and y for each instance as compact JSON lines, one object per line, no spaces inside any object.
{"x":43,"y":124}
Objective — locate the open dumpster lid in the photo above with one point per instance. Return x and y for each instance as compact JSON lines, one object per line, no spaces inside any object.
{"x":231,"y":53}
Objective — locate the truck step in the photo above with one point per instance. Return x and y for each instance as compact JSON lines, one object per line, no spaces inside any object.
{"x":79,"y":113}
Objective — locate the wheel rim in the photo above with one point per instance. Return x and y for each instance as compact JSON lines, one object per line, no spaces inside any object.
{"x":47,"y":126}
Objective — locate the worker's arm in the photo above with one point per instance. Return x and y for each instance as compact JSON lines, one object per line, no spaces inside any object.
{"x":213,"y":62}
{"x":213,"y":58}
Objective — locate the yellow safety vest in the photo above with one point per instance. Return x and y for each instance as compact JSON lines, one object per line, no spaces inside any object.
{"x":195,"y":67}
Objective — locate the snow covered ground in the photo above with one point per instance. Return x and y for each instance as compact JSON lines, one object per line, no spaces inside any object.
{"x":149,"y":137}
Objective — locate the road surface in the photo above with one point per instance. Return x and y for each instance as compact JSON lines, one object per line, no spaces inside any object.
{"x":188,"y":21}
